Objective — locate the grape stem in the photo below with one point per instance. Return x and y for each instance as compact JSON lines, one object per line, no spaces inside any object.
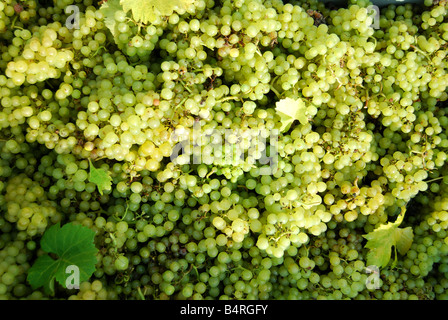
{"x":140,"y":293}
{"x":271,"y":85}
{"x":180,"y":103}
{"x":13,"y":22}
{"x":284,"y":233}
{"x":114,"y":241}
{"x":211,"y":172}
{"x":185,"y":86}
{"x":96,"y":52}
{"x":307,"y":204}
{"x":49,"y":84}
{"x":435,"y":179}
{"x":374,"y":39}
{"x":228,"y":98}
{"x":240,"y":267}
{"x":420,"y":51}
{"x":125,"y":213}
{"x":204,"y":69}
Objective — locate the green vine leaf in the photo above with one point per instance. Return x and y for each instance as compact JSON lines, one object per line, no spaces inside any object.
{"x":72,"y":246}
{"x":100,"y":177}
{"x":381,"y":240}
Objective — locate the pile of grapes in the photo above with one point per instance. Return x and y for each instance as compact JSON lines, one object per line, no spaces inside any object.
{"x":332,"y":122}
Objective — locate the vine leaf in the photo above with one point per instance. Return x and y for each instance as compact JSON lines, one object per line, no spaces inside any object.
{"x":73,"y":246}
{"x":146,"y":10}
{"x":289,"y":110}
{"x":381,"y":240}
{"x":100,"y":177}
{"x":108,"y":10}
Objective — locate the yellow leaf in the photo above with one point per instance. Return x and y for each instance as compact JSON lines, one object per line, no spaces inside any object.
{"x":145,"y":10}
{"x":289,"y":110}
{"x":382,"y":239}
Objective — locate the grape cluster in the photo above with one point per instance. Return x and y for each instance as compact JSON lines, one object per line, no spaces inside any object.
{"x":28,"y":206}
{"x":39,"y":59}
{"x":209,"y":197}
{"x":13,"y":267}
{"x":91,"y":291}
